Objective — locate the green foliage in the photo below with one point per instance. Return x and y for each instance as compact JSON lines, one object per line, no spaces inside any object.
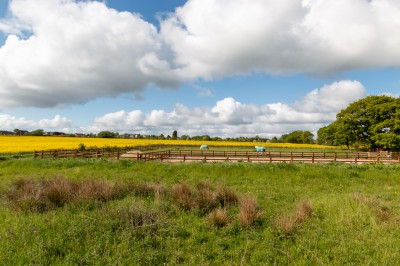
{"x":37,"y":132}
{"x":81,"y":147}
{"x":373,"y":121}
{"x":107,"y":134}
{"x":299,"y":137}
{"x":174,"y":135}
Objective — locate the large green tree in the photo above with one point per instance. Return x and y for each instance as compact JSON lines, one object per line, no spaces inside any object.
{"x":373,"y":121}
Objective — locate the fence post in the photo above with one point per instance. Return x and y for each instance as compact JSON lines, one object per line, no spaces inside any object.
{"x":184,"y":158}
{"x":312,"y":160}
{"x":248,"y":158}
{"x":117,"y":153}
{"x":334,"y":157}
{"x":41,"y":155}
{"x":355,"y":160}
{"x":34,"y":154}
{"x":97,"y":153}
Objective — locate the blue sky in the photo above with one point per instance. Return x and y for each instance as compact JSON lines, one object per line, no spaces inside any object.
{"x":237,"y":68}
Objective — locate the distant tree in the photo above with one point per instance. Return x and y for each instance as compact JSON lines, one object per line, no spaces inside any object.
{"x":37,"y":132}
{"x":274,"y":140}
{"x":206,"y":137}
{"x":298,"y":136}
{"x":162,"y":136}
{"x":185,"y":137}
{"x":107,"y":134}
{"x":175,"y":134}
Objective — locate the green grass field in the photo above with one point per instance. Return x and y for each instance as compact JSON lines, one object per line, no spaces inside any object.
{"x":138,"y":213}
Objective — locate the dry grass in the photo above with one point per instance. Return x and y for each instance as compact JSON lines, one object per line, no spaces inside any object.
{"x":288,"y":224}
{"x":226,"y":196}
{"x":41,"y":196}
{"x":94,"y":190}
{"x":249,"y":212}
{"x":45,"y":195}
{"x":219,"y":217}
{"x":381,"y":212}
{"x":206,"y":197}
{"x":183,"y":195}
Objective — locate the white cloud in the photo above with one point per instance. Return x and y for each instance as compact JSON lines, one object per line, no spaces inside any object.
{"x":218,"y":38}
{"x":61,"y":52}
{"x":58,"y":122}
{"x":229,"y":117}
{"x":77,"y":51}
{"x":332,"y":97}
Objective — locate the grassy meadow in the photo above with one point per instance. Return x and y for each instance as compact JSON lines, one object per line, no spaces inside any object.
{"x":108,"y":212}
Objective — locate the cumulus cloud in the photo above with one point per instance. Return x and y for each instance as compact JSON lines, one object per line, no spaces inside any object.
{"x":218,"y":38}
{"x":58,"y":122}
{"x":77,"y":51}
{"x":61,"y":52}
{"x":229,"y":117}
{"x":332,"y":97}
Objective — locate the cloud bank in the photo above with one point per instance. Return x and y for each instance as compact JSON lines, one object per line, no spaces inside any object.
{"x":227,"y":118}
{"x":77,"y":51}
{"x":61,"y":52}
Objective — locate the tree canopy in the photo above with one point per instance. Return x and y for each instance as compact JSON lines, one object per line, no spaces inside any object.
{"x":298,"y":136}
{"x":373,"y":121}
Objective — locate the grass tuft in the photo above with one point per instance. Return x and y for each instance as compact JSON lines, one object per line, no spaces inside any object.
{"x":183,"y":195}
{"x":288,"y":224}
{"x":249,"y":212}
{"x":381,"y":212}
{"x":226,"y":196}
{"x":219,"y":217}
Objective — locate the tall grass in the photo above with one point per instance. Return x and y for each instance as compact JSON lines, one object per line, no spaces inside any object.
{"x":328,"y":214}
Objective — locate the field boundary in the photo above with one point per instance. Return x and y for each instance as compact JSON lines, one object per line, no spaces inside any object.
{"x":141,"y":154}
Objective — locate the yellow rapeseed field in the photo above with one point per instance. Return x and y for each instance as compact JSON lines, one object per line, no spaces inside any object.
{"x":10,"y":144}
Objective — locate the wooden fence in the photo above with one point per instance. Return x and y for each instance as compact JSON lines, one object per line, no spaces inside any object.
{"x":251,"y":156}
{"x":219,"y":155}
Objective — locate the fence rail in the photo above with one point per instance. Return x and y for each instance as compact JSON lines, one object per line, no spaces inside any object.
{"x":141,"y":154}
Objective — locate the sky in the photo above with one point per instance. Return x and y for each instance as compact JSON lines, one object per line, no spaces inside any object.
{"x":223,"y":68}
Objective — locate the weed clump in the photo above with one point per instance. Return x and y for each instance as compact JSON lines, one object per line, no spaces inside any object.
{"x":249,"y":212}
{"x":288,"y":224}
{"x":45,"y":195}
{"x":219,"y":217}
{"x":183,"y":195}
